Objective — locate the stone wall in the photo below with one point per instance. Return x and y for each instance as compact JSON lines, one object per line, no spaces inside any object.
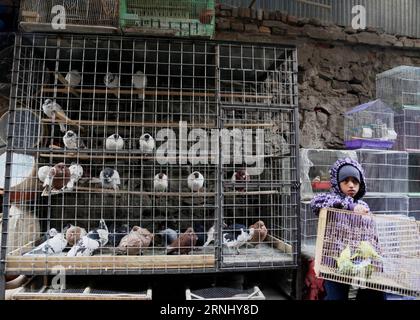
{"x":337,"y":64}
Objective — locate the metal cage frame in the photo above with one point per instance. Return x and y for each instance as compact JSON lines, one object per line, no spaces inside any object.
{"x":246,"y":101}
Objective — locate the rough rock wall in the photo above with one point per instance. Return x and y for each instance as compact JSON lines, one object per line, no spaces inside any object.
{"x":337,"y":65}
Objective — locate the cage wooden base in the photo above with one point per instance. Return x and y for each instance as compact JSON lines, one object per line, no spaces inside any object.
{"x":105,"y":262}
{"x":73,"y":28}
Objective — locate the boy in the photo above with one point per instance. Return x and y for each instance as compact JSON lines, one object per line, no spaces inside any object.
{"x":348,"y":187}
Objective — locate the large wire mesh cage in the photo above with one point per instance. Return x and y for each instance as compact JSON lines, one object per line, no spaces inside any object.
{"x":315,"y":165}
{"x":414,"y":206}
{"x":179,"y":18}
{"x":370,"y":125}
{"x":86,"y":16}
{"x":399,"y":87}
{"x":132,"y":173}
{"x":308,"y":227}
{"x":386,"y":171}
{"x":407,"y":125}
{"x":380,"y":252}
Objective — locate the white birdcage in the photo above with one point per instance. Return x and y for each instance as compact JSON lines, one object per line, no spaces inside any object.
{"x":308,"y":228}
{"x":414,"y":173}
{"x":407,"y":126}
{"x":370,"y":125}
{"x":386,"y":171}
{"x":414,"y":206}
{"x":224,"y":293}
{"x":315,"y":169}
{"x":399,"y":87}
{"x":387,"y":203}
{"x":380,"y":252}
{"x":96,"y":16}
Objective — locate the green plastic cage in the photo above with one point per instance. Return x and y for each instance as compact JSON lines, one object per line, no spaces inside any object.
{"x":182,"y":18}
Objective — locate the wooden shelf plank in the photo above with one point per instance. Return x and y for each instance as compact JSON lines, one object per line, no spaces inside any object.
{"x":119,"y":156}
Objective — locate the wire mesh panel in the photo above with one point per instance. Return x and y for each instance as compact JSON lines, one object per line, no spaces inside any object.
{"x":315,"y":167}
{"x":387,"y":203}
{"x":414,"y":206}
{"x":177,"y":18}
{"x":308,"y":228}
{"x":70,"y":15}
{"x":407,"y":125}
{"x":118,"y":180}
{"x":251,"y":75}
{"x":414,"y":172}
{"x":399,"y":87}
{"x":385,"y":171}
{"x":370,"y":125}
{"x":379,"y":252}
{"x":260,"y":200}
{"x":224,"y":293}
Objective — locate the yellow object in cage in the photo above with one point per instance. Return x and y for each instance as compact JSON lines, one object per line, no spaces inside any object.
{"x":380,"y":252}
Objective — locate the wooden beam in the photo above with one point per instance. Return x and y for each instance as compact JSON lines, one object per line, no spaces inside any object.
{"x":279,"y":244}
{"x":322,"y":223}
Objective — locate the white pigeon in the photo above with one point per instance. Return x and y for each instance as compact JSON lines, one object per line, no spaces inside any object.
{"x":139,"y":82}
{"x":76,"y":172}
{"x":54,"y":245}
{"x":160,"y":182}
{"x":110,"y":178}
{"x":73,"y":141}
{"x":114,"y":142}
{"x":43,"y":173}
{"x":95,"y":239}
{"x":147,"y":144}
{"x":51,"y":108}
{"x":210,"y":236}
{"x":111,"y":80}
{"x":73,"y":78}
{"x":240,"y":240}
{"x":195,"y":181}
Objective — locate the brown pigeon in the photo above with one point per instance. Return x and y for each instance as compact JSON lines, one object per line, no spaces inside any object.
{"x":184,"y":243}
{"x":74,"y":234}
{"x":260,"y":232}
{"x":241,"y":176}
{"x":58,"y":177}
{"x":137,"y":239}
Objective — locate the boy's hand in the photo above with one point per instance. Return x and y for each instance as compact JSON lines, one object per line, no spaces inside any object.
{"x":361,"y":209}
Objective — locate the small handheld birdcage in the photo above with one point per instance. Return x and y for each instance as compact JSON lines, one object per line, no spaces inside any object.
{"x":380,"y":252}
{"x":178,"y":18}
{"x":399,"y":87}
{"x":86,"y":16}
{"x":370,"y":125}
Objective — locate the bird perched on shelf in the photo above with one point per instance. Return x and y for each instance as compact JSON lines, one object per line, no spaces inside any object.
{"x":76,"y":173}
{"x":260,"y":232}
{"x":147,"y":144}
{"x":139,"y":82}
{"x":184,"y":244}
{"x":73,"y":78}
{"x":210,"y":235}
{"x":58,"y":176}
{"x":232,"y":231}
{"x":195,"y":181}
{"x":91,"y":242}
{"x":51,"y":109}
{"x":43,"y":173}
{"x":168,"y":236}
{"x":110,"y":178}
{"x":114,"y":142}
{"x":117,"y":233}
{"x":160,"y":182}
{"x":53,"y":245}
{"x":137,"y":239}
{"x":74,"y":234}
{"x":111,"y":80}
{"x":240,"y":177}
{"x":73,"y":141}
{"x":241,"y":240}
